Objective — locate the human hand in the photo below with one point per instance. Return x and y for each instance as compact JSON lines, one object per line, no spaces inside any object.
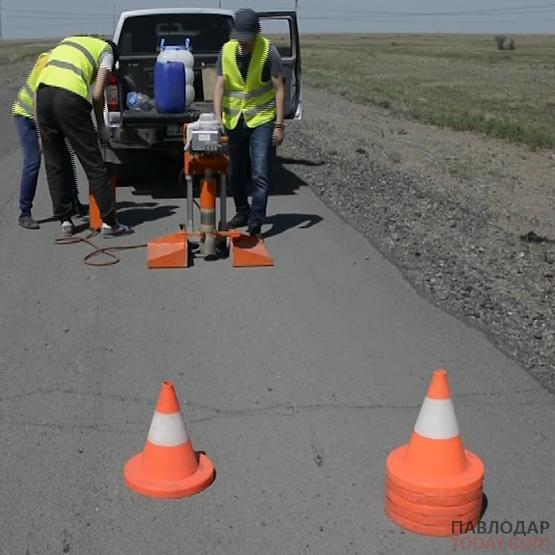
{"x":278,"y":135}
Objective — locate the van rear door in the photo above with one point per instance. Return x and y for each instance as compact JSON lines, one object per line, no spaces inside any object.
{"x":281,"y":29}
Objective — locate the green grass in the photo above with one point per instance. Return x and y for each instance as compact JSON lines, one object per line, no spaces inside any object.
{"x":458,"y":81}
{"x":12,"y":51}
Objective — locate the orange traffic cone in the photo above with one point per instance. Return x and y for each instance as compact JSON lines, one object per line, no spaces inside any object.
{"x":168,"y":467}
{"x":433,"y":483}
{"x":95,"y":219}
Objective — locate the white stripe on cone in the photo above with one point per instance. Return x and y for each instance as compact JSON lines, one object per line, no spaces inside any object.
{"x":437,"y":419}
{"x":167,"y":430}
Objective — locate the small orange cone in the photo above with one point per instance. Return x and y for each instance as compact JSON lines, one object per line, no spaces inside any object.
{"x":168,"y":467}
{"x":433,"y":482}
{"x":95,"y":219}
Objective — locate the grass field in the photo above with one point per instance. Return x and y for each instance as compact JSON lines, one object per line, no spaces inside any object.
{"x":14,"y":50}
{"x":457,"y":81}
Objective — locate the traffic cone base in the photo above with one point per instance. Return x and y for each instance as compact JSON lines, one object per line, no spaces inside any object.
{"x":426,"y":529}
{"x":169,"y":489}
{"x":405,"y":476}
{"x":434,"y":520}
{"x":434,"y":510}
{"x":432,"y":499}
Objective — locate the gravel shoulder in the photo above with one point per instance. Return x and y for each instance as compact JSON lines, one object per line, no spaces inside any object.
{"x":452,"y":210}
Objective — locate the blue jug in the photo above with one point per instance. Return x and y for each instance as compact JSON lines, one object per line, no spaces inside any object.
{"x":169,"y":87}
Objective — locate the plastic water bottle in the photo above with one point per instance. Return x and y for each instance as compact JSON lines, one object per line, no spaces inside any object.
{"x":138,"y":102}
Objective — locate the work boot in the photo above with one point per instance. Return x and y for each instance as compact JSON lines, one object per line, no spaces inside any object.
{"x":109,"y":231}
{"x":27,"y":222}
{"x":239,"y":220}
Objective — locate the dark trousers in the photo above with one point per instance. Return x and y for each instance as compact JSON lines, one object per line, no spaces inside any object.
{"x":28,"y":136}
{"x":256,"y":144}
{"x":62,"y":114}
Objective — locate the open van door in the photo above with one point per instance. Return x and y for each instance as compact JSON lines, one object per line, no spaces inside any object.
{"x":281,"y":29}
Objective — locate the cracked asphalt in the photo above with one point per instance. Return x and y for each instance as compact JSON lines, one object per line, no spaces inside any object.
{"x":297,"y":381}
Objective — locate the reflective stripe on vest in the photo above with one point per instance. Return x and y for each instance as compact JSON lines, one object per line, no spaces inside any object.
{"x":83,"y":50}
{"x":68,"y":65}
{"x":74,"y":63}
{"x":24,"y":102}
{"x":252,"y":111}
{"x":253,"y":98}
{"x":254,"y":94}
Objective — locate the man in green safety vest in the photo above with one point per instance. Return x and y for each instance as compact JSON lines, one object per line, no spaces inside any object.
{"x":249,"y":100}
{"x":63,"y":111}
{"x":23,"y":111}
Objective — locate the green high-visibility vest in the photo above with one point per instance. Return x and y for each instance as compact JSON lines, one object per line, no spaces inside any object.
{"x":254,"y":99}
{"x":25,"y":99}
{"x":73,"y":64}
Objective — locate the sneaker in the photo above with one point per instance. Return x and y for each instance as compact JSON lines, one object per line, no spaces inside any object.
{"x":115,"y":230}
{"x":27,"y":222}
{"x":68,"y":228}
{"x":239,"y":220}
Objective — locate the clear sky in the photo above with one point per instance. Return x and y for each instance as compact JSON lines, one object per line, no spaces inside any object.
{"x":37,"y":18}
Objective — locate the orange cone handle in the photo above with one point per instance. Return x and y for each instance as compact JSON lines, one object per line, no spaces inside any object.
{"x":439,"y":386}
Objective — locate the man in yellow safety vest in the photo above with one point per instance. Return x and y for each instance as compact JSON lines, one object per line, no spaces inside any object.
{"x":63,"y":111}
{"x":249,"y":100}
{"x":23,"y":111}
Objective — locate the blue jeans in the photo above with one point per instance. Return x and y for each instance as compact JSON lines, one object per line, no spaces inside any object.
{"x":256,"y":144}
{"x":28,"y":136}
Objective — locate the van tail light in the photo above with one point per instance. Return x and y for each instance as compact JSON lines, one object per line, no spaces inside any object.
{"x":112,"y":94}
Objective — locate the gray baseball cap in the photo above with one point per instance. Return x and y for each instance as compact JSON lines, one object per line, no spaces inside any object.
{"x":245,"y":25}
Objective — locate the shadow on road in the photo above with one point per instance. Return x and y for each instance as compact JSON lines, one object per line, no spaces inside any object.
{"x":134,"y":213}
{"x":165,"y":185}
{"x":300,"y":162}
{"x":284,"y":181}
{"x":283,"y":222}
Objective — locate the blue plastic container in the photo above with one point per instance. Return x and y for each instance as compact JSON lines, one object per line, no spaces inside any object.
{"x":169,"y":87}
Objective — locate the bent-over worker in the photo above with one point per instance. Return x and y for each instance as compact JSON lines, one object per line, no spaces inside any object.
{"x":63,"y":111}
{"x":23,"y":111}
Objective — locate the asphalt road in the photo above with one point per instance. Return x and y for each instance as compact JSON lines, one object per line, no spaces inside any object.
{"x":297,"y":381}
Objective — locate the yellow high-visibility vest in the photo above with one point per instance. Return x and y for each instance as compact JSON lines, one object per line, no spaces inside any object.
{"x":73,"y":64}
{"x":254,"y":99}
{"x":25,"y":99}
